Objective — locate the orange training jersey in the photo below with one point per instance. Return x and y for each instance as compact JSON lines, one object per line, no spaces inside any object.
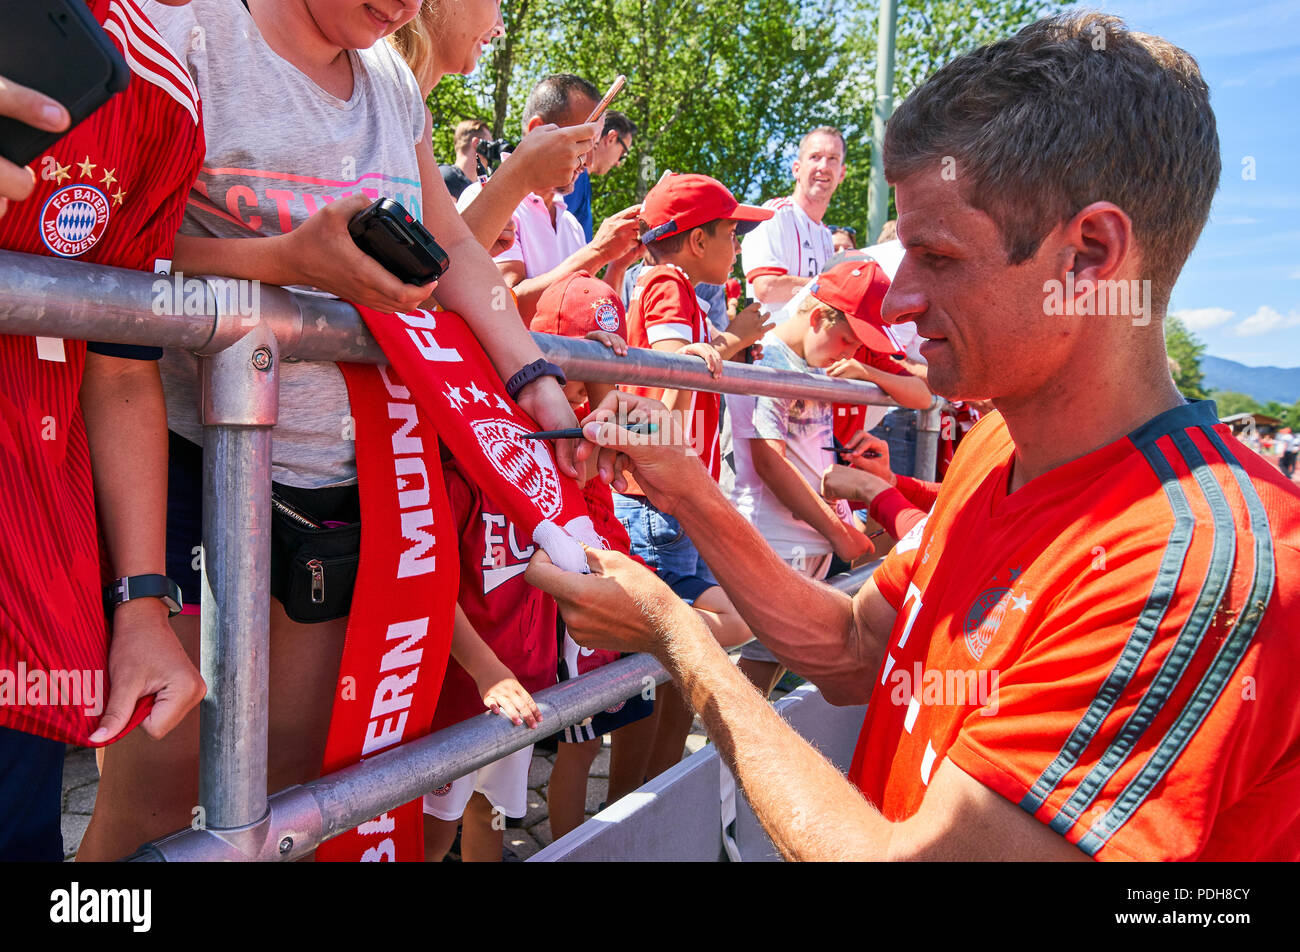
{"x":664,"y":306}
{"x":1113,"y":647}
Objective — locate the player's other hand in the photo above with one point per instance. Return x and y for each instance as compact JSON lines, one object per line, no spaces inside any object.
{"x":613,"y":606}
{"x":34,"y":109}
{"x":847,"y":482}
{"x":666,"y":468}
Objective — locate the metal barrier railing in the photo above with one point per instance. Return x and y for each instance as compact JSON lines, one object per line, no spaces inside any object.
{"x":239,"y":375}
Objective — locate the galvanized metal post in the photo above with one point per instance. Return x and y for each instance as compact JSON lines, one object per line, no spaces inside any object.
{"x":878,"y":189}
{"x":240,"y":387}
{"x":927,"y":441}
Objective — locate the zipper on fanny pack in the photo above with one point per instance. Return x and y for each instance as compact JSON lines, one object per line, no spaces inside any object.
{"x":317,"y":581}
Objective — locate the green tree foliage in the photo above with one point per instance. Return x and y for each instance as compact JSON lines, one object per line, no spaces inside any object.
{"x":1186,"y":350}
{"x":725,"y":87}
{"x":1230,"y":403}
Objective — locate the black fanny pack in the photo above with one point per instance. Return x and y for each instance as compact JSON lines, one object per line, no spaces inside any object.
{"x":314,"y":560}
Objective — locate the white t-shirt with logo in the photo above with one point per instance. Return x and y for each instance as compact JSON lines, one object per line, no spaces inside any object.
{"x":539,"y":245}
{"x":787,"y":243}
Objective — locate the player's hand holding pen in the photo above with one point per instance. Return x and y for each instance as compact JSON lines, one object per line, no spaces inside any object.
{"x":867,"y":453}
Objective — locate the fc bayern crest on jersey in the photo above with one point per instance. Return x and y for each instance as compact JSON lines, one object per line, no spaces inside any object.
{"x":527,"y":464}
{"x":74,"y":219}
{"x":606,"y":316}
{"x":984,"y":619}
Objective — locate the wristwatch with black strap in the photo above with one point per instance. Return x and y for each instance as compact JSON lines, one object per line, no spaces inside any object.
{"x":144,"y":586}
{"x":530,"y":372}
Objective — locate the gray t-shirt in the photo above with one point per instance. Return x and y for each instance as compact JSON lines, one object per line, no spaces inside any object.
{"x":278,"y":148}
{"x":806,"y":427}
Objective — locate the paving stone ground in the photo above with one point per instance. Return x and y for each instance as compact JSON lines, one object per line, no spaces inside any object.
{"x":81,"y":780}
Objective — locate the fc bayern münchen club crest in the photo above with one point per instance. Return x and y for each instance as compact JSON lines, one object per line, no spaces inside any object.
{"x":73,"y":219}
{"x":984,"y":619}
{"x":606,"y":316}
{"x":526,"y":464}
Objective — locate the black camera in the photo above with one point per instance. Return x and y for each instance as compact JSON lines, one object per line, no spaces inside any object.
{"x":390,"y":234}
{"x":492,"y":151}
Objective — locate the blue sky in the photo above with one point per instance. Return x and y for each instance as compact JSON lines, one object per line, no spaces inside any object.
{"x":1240,"y":290}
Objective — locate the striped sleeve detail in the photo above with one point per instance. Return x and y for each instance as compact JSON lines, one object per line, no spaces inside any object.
{"x":1135,"y":648}
{"x":1191,"y":638}
{"x":1226,"y":659}
{"x":149,"y":56}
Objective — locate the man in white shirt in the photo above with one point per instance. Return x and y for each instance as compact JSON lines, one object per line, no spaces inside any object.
{"x":784,"y":253}
{"x":549,"y":241}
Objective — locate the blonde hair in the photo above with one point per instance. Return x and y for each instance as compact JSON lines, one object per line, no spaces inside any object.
{"x":414,"y":41}
{"x":827,"y":316}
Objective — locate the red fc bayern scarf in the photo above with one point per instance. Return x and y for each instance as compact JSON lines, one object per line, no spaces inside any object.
{"x":440,"y":386}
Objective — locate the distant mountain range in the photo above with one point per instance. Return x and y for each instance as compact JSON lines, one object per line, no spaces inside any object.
{"x":1263,"y":383}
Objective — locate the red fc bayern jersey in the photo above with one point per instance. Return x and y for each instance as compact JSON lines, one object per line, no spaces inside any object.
{"x":1112,"y":647}
{"x":664,"y":307}
{"x":514,"y":619}
{"x":112,"y":191}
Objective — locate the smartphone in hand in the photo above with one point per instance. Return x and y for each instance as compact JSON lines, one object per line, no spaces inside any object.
{"x":390,"y":234}
{"x":57,"y":48}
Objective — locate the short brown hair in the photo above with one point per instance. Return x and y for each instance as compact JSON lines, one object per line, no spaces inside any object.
{"x":467,"y":130}
{"x":674,"y":243}
{"x":1073,"y":109}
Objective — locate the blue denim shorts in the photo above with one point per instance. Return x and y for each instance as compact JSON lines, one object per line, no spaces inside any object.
{"x":659,"y":539}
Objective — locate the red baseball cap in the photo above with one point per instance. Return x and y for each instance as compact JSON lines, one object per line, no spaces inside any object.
{"x":578,"y":304}
{"x":681,"y":201}
{"x":857,"y":287}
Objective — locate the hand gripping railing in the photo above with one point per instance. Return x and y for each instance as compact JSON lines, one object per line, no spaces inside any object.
{"x":239,"y":364}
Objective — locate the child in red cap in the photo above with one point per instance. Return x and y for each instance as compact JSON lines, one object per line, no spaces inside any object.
{"x":582,"y":306}
{"x":690,"y":223}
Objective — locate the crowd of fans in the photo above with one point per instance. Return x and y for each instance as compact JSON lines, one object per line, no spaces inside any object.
{"x":287,"y":104}
{"x":305,"y":119}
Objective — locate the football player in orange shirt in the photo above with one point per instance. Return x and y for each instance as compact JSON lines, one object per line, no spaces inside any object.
{"x":1088,"y":649}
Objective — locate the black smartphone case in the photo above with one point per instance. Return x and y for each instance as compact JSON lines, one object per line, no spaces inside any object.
{"x":392,"y":236}
{"x":55,"y":47}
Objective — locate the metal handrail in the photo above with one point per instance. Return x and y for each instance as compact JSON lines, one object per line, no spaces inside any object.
{"x":44,"y":296}
{"x":239,"y":365}
{"x":300,"y":818}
